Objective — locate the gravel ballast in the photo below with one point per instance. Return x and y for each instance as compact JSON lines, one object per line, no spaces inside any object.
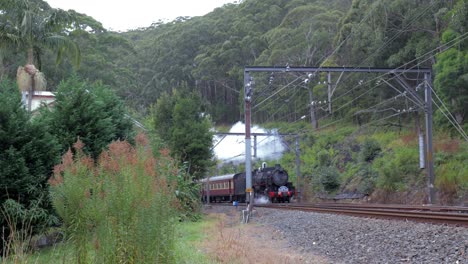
{"x":348,"y":239}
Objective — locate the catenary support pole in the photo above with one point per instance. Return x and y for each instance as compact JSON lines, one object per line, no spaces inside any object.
{"x":429,"y":150}
{"x":255,"y":146}
{"x":248,"y":84}
{"x":298,"y":170}
{"x":329,"y":92}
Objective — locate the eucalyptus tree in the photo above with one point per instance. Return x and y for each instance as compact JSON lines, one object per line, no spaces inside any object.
{"x":451,"y":79}
{"x":183,"y":124}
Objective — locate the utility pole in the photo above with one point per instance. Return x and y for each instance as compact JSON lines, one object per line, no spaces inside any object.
{"x":329,"y":92}
{"x":255,"y":146}
{"x":298,"y":170}
{"x":248,"y":86}
{"x":429,"y":150}
{"x":208,"y":190}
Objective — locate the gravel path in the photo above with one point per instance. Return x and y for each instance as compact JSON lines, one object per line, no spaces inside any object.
{"x":347,"y":239}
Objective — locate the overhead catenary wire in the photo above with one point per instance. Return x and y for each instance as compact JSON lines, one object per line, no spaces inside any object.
{"x":447,"y":45}
{"x":389,"y":41}
{"x":331,"y":54}
{"x":282,"y":88}
{"x":449,"y":116}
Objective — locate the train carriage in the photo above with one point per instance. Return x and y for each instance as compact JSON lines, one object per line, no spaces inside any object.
{"x":269,"y":182}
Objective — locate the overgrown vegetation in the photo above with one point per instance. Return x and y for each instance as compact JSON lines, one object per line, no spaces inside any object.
{"x":383,"y":164}
{"x":124,"y":203}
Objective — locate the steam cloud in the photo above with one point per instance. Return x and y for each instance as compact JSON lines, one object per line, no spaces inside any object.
{"x":232,"y":148}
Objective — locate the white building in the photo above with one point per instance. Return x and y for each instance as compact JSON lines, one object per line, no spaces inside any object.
{"x":38,"y":98}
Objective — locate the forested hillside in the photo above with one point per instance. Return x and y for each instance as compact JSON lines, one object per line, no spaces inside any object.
{"x":208,"y":53}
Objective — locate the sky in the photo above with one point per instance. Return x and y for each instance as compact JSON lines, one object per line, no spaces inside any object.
{"x":122,"y":15}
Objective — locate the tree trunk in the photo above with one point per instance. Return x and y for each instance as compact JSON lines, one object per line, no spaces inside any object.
{"x":30,"y":59}
{"x":31,"y":89}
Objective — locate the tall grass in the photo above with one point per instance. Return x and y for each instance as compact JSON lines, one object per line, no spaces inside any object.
{"x":124,"y":203}
{"x":16,"y":238}
{"x":20,"y":223}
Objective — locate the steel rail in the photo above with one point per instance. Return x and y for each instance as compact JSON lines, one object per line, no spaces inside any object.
{"x":460,"y":219}
{"x":459,"y":209}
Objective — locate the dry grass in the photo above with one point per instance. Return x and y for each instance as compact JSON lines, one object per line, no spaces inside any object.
{"x":229,"y":241}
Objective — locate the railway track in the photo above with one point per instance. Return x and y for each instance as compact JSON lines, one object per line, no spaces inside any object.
{"x":430,"y":214}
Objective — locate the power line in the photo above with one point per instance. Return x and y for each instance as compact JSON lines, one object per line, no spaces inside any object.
{"x":453,"y":121}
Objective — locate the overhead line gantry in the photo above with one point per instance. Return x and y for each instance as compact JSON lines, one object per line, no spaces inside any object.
{"x":394,"y":72}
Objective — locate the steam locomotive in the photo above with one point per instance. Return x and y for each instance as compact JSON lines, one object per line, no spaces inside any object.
{"x":268,"y":182}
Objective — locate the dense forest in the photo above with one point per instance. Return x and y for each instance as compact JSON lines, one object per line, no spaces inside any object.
{"x":208,"y":53}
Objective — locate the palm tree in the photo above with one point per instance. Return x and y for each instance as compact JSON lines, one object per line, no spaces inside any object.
{"x":32,"y":26}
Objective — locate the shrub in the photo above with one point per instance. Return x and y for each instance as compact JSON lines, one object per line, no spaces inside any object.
{"x":329,"y":178}
{"x":370,"y":149}
{"x":368,"y":177}
{"x":125,"y":203}
{"x":452,"y":175}
{"x":390,"y":176}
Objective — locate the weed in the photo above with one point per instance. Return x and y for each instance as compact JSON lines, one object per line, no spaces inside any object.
{"x":124,"y":204}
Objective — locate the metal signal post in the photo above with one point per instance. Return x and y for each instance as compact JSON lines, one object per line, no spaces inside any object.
{"x":248,"y":85}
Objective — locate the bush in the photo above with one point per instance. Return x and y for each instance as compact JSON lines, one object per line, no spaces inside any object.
{"x":390,"y":176}
{"x":370,"y":149}
{"x":125,"y":203}
{"x":329,"y":178}
{"x":452,"y":175}
{"x":368,"y":177}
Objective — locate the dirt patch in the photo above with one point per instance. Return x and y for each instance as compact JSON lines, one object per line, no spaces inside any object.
{"x":229,"y":241}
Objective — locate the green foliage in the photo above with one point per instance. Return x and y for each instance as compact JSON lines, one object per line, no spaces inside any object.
{"x":390,"y":177}
{"x":399,"y":168}
{"x":89,"y":112}
{"x":125,"y":204}
{"x":370,"y":149}
{"x":33,"y":26}
{"x":329,"y":178}
{"x":181,"y":122}
{"x":323,"y":158}
{"x":368,"y":176}
{"x":20,"y":225}
{"x":188,"y":195}
{"x":451,"y":81}
{"x":452,"y":171}
{"x":27,"y":155}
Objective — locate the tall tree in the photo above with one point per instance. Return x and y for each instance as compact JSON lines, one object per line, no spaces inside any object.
{"x":91,"y":113}
{"x":451,"y":78}
{"x":185,"y":127}
{"x":32,"y":26}
{"x":28,"y":153}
